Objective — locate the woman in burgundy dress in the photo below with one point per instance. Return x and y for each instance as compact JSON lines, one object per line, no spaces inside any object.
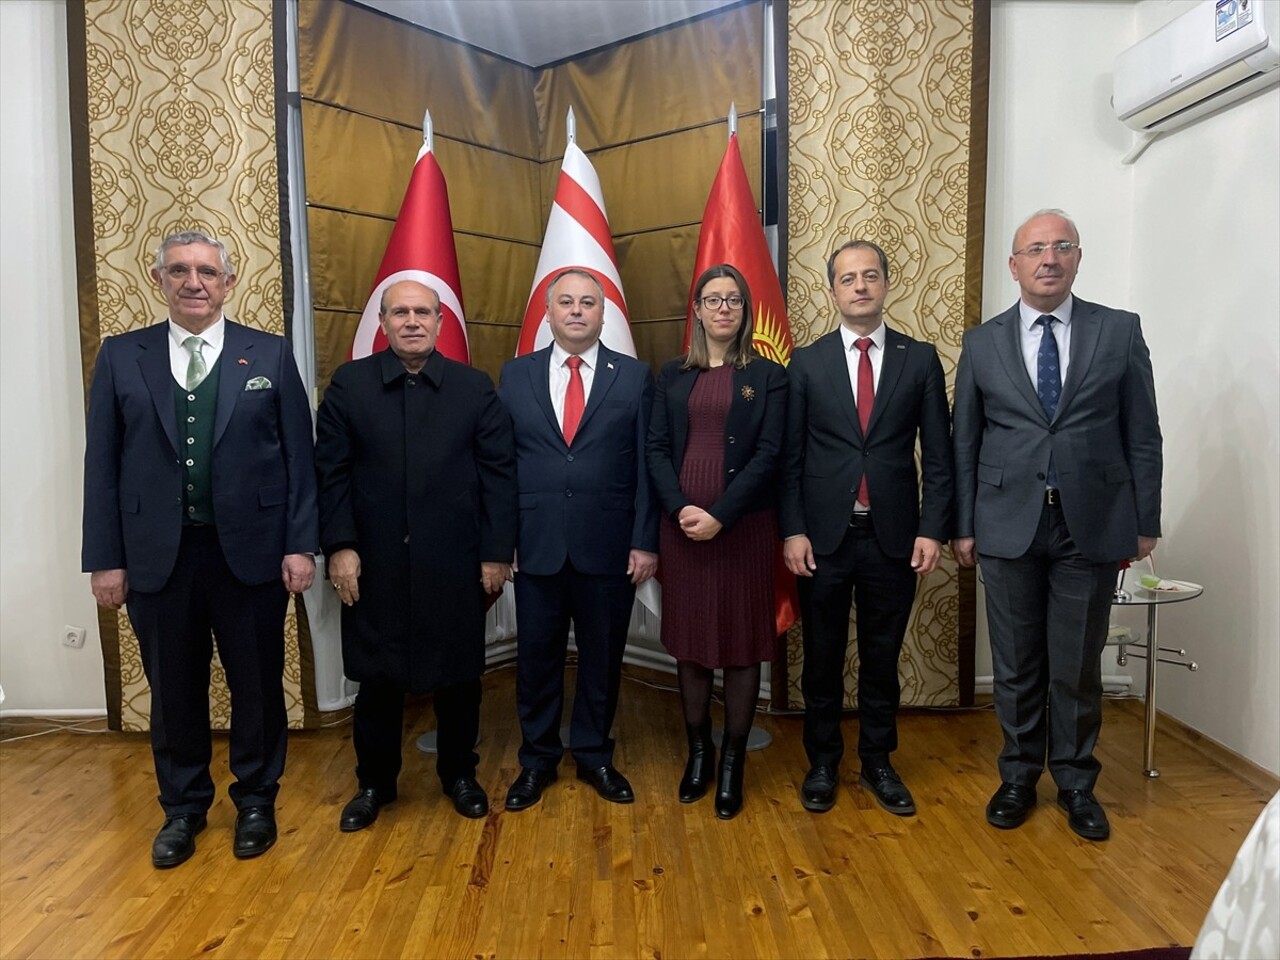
{"x":714,"y":449}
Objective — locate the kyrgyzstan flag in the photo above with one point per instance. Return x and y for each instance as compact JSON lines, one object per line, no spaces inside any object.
{"x":421,"y":248}
{"x":732,"y":233}
{"x":577,"y":237}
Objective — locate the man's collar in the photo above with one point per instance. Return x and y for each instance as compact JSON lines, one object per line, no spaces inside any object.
{"x":1028,"y":315}
{"x":848,"y":337}
{"x":212,"y":335}
{"x":559,"y":355}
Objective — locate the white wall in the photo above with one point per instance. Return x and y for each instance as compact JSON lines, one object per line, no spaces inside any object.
{"x":41,"y":399}
{"x":1189,"y":237}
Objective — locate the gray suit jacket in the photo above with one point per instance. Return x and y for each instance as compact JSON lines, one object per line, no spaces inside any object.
{"x":1104,"y":437}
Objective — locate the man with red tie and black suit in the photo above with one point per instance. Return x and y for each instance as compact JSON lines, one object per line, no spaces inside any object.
{"x":858,"y":525}
{"x":588,"y":534}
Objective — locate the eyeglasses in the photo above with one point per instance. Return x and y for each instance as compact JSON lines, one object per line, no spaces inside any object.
{"x":734,"y":302}
{"x":1061,"y":248}
{"x":180,"y":272}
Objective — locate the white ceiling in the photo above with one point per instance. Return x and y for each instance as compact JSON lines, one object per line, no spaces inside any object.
{"x":538,"y":32}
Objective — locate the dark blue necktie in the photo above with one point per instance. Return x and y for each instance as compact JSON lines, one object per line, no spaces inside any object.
{"x":1048,"y":379}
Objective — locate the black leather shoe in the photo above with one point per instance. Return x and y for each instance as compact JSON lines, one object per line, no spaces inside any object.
{"x":469,"y":798}
{"x":818,"y":792}
{"x":1009,"y":805}
{"x":362,"y":809}
{"x":176,"y":841}
{"x":890,"y":792}
{"x":527,"y":788}
{"x":701,"y":765}
{"x":255,"y":832}
{"x":608,"y":782}
{"x":1084,"y":814}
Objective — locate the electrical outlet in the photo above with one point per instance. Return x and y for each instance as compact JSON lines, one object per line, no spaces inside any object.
{"x":73,"y":636}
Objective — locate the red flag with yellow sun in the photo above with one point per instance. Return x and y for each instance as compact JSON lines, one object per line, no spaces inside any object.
{"x":732,"y":233}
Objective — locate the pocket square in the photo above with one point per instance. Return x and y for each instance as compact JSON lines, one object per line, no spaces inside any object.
{"x":258,"y":383}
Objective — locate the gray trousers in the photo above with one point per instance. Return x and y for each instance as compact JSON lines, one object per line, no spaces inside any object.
{"x":1048,"y":613}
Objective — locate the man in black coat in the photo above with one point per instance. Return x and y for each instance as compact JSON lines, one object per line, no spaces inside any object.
{"x":858,"y":524}
{"x":418,"y":519}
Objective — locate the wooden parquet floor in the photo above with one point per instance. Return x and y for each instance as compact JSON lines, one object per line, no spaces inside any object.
{"x":578,"y":877}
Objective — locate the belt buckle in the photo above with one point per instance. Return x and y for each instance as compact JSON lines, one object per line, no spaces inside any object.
{"x":1052,"y":497}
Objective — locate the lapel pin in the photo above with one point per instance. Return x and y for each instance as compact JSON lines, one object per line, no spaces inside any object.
{"x":748,"y":393}
{"x":610,"y":365}
{"x":243,"y":362}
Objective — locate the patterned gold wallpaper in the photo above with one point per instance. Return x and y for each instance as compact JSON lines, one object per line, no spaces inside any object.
{"x":879,"y":148}
{"x":181,"y":133}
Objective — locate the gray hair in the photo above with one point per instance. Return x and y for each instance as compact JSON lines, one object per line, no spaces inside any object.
{"x":185,"y":238}
{"x":382,"y":300}
{"x":574,"y":272}
{"x":1046,"y":212}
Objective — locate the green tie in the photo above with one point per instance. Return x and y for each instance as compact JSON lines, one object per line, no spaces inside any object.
{"x":196,"y":371}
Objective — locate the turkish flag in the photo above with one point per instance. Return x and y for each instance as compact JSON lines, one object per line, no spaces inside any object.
{"x":577,"y":237}
{"x":421,"y":248}
{"x":732,"y":233}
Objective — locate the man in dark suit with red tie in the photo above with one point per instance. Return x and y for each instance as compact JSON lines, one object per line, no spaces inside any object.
{"x":1058,"y":477}
{"x":200,"y":515}
{"x":588,"y":534}
{"x":859,"y":526}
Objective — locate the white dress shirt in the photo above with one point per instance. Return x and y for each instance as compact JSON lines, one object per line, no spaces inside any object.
{"x":560,"y":376}
{"x":180,"y":356}
{"x":1031,"y":334}
{"x":853,"y":356}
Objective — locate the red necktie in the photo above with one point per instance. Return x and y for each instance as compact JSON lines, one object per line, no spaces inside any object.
{"x":866,"y":399}
{"x":574,"y":400}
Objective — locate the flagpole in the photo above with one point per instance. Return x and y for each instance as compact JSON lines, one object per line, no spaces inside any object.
{"x":733,"y":118}
{"x":570,"y":127}
{"x":428,"y":131}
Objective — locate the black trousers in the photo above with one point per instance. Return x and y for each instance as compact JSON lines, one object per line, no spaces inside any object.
{"x":1048,"y":613}
{"x":203,"y":602}
{"x":378,"y":733}
{"x":600,"y":607}
{"x":883,"y":589}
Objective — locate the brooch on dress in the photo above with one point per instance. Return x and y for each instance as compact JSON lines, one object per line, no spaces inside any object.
{"x":748,"y":393}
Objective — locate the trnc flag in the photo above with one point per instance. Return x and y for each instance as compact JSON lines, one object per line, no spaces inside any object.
{"x":421,"y":248}
{"x":732,"y":233}
{"x":577,"y":236}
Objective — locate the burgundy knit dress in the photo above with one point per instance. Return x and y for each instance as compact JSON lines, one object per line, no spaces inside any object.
{"x":717,"y":594}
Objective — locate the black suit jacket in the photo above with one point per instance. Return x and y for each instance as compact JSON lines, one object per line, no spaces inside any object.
{"x":753,"y":434}
{"x":264,"y":485}
{"x":827,"y":452}
{"x":590,"y":503}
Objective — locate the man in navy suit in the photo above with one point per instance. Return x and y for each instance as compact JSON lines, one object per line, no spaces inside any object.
{"x":1058,"y":474}
{"x":858,"y":524}
{"x":200,"y":515}
{"x":588,"y":534}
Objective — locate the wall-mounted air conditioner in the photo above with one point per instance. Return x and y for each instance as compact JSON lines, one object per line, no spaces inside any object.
{"x":1215,"y":53}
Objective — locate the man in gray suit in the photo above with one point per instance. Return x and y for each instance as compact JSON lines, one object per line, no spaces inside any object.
{"x":1058,"y":467}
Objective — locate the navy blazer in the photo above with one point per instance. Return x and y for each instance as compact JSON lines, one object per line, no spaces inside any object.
{"x":590,"y":503}
{"x":264,"y":484}
{"x":1104,"y":438}
{"x":827,"y":452}
{"x":753,"y":434}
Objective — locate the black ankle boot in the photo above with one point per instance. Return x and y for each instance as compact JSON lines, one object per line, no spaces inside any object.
{"x":702,"y":762}
{"x":733,"y":761}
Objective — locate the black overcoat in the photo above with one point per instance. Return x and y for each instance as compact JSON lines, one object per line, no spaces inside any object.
{"x":417,"y":475}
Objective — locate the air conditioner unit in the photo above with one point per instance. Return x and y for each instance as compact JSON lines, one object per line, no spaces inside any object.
{"x":1212,"y":55}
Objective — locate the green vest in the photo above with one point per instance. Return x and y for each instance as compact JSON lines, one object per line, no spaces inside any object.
{"x":195,"y":410}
